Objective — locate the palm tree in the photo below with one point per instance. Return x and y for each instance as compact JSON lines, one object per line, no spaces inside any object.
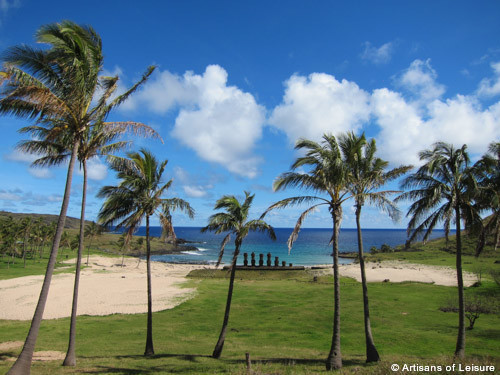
{"x":444,"y":185}
{"x":25,"y":228}
{"x":488,"y":174}
{"x":96,"y":141}
{"x":92,"y":230}
{"x":366,"y":175}
{"x":57,"y":88}
{"x":328,"y":175}
{"x":235,"y":221}
{"x":139,"y":196}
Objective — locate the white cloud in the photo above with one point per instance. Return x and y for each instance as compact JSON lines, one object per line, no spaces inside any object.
{"x":420,"y":80}
{"x":488,"y":86}
{"x":9,"y":196}
{"x":224,"y":125}
{"x":320,"y":104}
{"x":220,"y":123}
{"x":96,"y":170}
{"x":409,"y":120}
{"x":24,"y":157}
{"x":409,"y":125}
{"x":166,"y":91}
{"x":38,"y":172}
{"x":380,"y":55}
{"x":194,"y":186}
{"x":195,"y":191}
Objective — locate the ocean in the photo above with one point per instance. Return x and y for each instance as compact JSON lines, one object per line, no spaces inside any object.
{"x":310,"y":248}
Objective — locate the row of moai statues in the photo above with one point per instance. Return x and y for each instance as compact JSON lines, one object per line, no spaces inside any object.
{"x":261,"y":261}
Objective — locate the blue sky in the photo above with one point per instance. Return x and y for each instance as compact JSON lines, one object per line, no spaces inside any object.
{"x":238,"y":82}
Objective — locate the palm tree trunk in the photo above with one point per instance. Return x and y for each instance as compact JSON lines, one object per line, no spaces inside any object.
{"x":222,"y":337}
{"x":497,"y":236}
{"x":88,"y":250}
{"x":371,"y":351}
{"x":70,"y":359}
{"x":334,"y":360}
{"x":149,"y":338}
{"x":23,"y":363}
{"x":460,"y":348}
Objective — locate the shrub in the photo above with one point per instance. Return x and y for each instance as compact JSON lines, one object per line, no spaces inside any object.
{"x":386,"y":248}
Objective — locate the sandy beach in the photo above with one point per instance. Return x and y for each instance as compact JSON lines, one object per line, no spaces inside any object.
{"x":107,"y":288}
{"x":399,"y":271}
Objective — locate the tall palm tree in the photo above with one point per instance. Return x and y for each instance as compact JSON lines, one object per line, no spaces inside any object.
{"x":96,"y":141}
{"x":366,"y":176}
{"x":138,"y":196}
{"x":328,"y":175}
{"x":57,"y":88}
{"x":234,"y":220}
{"x":488,"y":174}
{"x":443,"y":185}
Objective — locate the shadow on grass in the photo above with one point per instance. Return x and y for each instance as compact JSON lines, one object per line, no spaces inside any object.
{"x":116,"y":370}
{"x":6,"y":355}
{"x":193,"y":358}
{"x":186,"y":357}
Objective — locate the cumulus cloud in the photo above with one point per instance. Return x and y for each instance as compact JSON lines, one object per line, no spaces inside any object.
{"x":220,"y":123}
{"x":320,"y":104}
{"x":409,"y":124}
{"x":224,"y":125}
{"x":410,"y":118}
{"x":490,"y":86}
{"x":420,"y":80}
{"x":380,"y":55}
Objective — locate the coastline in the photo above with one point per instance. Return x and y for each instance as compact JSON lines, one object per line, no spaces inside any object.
{"x":125,"y":287}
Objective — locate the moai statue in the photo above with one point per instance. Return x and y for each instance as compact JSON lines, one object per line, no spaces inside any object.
{"x":245,"y":259}
{"x":253,"y":259}
{"x":269,"y":259}
{"x":276,"y":261}
{"x":261,"y":260}
{"x":283,"y":264}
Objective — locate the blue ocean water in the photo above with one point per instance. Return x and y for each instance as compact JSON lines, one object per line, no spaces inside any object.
{"x":312,"y":246}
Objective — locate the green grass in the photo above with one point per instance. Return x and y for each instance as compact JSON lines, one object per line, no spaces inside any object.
{"x":283,"y":319}
{"x":284,"y":322}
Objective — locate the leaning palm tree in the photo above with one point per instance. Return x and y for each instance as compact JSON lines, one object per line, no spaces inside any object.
{"x":96,"y":141}
{"x":328,"y":175}
{"x":233,"y":221}
{"x":58,"y":89}
{"x":444,"y":184}
{"x":139,"y":195}
{"x":366,"y":176}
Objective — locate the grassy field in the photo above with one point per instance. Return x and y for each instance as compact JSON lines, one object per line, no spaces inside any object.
{"x":283,"y":319}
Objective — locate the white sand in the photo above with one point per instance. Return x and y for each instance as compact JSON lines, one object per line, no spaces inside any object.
{"x":105,"y":288}
{"x":399,"y":271}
